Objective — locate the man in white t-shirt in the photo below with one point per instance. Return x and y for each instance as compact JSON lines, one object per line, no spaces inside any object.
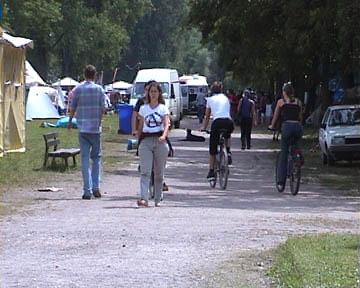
{"x":218,"y":106}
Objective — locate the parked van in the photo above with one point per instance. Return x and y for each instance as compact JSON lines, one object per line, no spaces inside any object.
{"x":169,"y":82}
{"x":192,"y":86}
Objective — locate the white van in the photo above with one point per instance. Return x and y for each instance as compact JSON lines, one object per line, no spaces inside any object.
{"x":191,"y":86}
{"x":169,"y":81}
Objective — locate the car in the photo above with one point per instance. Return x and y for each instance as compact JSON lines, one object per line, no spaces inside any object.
{"x":339,"y":135}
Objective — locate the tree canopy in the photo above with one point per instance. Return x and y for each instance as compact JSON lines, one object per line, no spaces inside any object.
{"x":261,"y":40}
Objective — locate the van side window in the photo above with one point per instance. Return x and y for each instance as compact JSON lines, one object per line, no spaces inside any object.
{"x":172,"y":91}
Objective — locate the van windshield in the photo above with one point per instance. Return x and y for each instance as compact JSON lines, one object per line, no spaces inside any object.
{"x":138,"y":90}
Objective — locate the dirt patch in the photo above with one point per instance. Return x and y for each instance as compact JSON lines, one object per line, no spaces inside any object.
{"x":200,"y":237}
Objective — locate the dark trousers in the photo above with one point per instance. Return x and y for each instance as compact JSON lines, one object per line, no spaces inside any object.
{"x":291,"y":133}
{"x":201,"y":112}
{"x":245,"y":127}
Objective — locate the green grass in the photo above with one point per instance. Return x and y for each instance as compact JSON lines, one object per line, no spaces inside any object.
{"x":325,"y":260}
{"x":344,"y":176}
{"x":26,"y":169}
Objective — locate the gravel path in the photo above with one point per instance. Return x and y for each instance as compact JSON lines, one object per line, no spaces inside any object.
{"x":63,"y":241}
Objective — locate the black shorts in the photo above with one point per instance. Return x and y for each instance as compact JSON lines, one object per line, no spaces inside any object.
{"x":219,"y":124}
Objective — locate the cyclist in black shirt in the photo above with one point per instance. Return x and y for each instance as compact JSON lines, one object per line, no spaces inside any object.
{"x":290,"y":110}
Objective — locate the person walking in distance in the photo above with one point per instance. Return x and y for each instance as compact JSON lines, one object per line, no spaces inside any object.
{"x":88,"y":105}
{"x":218,"y":106}
{"x":247,"y":115}
{"x":153,"y":150}
{"x":200,"y":105}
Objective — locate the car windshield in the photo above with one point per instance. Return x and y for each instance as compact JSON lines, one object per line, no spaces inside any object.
{"x":347,"y":116}
{"x":138,"y":90}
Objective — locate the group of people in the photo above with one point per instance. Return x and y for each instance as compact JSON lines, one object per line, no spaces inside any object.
{"x":151,"y":124}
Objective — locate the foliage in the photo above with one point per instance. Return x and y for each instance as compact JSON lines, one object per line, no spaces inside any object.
{"x":317,"y":261}
{"x":69,"y":34}
{"x":162,"y":38}
{"x":261,"y":41}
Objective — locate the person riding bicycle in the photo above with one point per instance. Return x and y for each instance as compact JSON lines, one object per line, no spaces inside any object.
{"x":290,"y":110}
{"x":218,"y":106}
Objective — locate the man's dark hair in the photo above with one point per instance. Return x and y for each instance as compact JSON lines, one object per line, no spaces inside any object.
{"x":90,"y":72}
{"x":216,"y":87}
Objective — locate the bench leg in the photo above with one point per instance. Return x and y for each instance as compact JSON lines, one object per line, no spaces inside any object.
{"x":66,"y":162}
{"x":74,"y":161}
{"x":45,"y":160}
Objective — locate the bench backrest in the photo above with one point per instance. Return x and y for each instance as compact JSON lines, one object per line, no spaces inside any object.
{"x":51,"y":139}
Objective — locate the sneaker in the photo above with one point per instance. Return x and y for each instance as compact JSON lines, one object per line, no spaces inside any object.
{"x":157,"y":204}
{"x":211,"y":175}
{"x":142,"y":203}
{"x":242,"y":147}
{"x":165,"y":187}
{"x":96,"y":193}
{"x":86,"y":197}
{"x":229,"y":158}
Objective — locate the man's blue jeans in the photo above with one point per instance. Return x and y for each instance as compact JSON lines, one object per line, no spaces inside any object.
{"x":90,"y":147}
{"x":291,"y":133}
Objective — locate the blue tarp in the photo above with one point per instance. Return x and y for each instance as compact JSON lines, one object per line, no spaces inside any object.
{"x":63,"y":122}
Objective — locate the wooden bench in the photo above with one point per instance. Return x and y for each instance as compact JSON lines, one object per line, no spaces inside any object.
{"x":52,"y":140}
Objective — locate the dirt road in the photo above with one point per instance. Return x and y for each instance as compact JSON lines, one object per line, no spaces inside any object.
{"x":62,"y":241}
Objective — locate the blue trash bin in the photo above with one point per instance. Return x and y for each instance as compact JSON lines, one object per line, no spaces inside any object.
{"x":125,"y":113}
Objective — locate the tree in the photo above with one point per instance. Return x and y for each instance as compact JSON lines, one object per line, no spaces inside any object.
{"x":266,"y":41}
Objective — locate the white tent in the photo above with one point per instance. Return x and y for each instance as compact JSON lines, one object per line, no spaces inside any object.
{"x":120,"y":85}
{"x":67,"y":81}
{"x":32,"y":78}
{"x":39,"y":103}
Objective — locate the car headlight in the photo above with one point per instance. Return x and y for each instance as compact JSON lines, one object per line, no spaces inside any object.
{"x":338,"y":140}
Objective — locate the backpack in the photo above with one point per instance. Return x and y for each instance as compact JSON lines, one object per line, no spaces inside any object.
{"x":245,"y":109}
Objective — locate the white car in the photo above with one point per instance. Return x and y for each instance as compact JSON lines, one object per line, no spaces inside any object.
{"x":339,"y":135}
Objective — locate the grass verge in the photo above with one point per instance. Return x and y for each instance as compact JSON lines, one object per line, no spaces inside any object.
{"x":343,"y":176}
{"x":325,"y":260}
{"x":21,"y":170}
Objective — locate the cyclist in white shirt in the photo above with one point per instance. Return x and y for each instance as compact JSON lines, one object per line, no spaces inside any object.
{"x":218,"y":106}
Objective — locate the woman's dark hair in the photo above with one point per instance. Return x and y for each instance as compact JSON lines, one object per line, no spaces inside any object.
{"x":90,"y":72}
{"x":149,"y":82}
{"x":216,"y":87}
{"x":289,"y":90}
{"x":158,"y":87}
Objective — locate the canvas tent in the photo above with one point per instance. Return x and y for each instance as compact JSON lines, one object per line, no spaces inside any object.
{"x":119,"y":85}
{"x":12,"y":91}
{"x":66,"y":82}
{"x":32,"y":78}
{"x":41,"y":103}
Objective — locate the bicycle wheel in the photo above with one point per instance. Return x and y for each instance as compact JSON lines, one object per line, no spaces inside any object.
{"x":279,"y":187}
{"x":295,"y":176}
{"x":223,"y":169}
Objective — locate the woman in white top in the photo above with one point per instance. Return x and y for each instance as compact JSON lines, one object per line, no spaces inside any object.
{"x":153,"y":149}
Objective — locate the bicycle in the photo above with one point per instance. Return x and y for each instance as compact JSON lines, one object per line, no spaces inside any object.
{"x":294,"y":163}
{"x":221,"y":167}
